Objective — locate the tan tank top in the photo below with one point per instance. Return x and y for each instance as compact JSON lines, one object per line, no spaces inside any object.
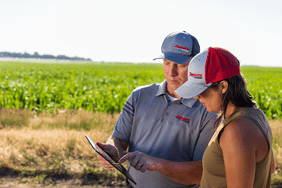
{"x":213,"y":164}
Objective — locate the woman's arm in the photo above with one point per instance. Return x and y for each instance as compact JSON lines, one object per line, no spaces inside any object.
{"x":240,"y":141}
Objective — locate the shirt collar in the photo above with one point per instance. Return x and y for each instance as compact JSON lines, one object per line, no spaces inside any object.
{"x":162,"y":91}
{"x":189,"y":102}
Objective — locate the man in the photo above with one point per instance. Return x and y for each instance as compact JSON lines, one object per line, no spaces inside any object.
{"x":165,"y":134}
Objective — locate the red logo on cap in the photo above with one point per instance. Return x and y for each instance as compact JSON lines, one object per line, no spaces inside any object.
{"x":181,"y":47}
{"x":198,"y":76}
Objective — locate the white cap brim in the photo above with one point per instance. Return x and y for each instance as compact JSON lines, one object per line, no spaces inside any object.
{"x":190,"y":89}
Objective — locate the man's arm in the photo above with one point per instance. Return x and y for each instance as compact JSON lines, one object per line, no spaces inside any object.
{"x":182,"y":172}
{"x":120,"y":145}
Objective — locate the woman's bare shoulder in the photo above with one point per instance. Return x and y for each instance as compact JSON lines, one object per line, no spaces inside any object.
{"x":241,"y":131}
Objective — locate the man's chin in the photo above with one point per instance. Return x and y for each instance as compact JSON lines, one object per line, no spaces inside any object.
{"x":174,"y":86}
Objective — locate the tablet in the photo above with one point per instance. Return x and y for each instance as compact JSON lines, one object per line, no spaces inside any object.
{"x":118,"y":166}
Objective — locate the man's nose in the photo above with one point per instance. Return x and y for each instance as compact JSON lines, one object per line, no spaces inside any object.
{"x":174,"y":70}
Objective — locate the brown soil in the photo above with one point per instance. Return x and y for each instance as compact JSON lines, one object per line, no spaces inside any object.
{"x":72,"y":183}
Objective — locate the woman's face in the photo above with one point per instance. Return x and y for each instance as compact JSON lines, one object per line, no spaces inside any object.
{"x":212,"y":98}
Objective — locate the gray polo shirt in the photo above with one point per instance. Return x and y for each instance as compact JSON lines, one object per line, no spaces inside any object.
{"x":174,"y":130}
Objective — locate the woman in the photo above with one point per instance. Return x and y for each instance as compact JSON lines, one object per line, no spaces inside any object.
{"x":240,"y":151}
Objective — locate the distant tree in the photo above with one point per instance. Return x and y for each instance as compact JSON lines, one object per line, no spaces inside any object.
{"x":45,"y":56}
{"x":62,"y":57}
{"x":36,"y":55}
{"x":26,"y":55}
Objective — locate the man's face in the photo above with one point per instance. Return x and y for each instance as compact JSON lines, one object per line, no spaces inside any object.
{"x":175,"y":74}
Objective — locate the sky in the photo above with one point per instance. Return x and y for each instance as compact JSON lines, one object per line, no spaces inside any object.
{"x":133,"y":30}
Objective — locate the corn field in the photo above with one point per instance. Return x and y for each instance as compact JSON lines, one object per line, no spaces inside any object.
{"x":104,"y":87}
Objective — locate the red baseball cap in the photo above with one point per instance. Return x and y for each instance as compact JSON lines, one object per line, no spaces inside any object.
{"x":212,"y":65}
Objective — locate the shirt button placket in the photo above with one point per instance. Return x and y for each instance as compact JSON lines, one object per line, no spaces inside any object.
{"x":166,"y":111}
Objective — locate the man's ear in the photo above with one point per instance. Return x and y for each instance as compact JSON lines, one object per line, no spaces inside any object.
{"x":223,"y":86}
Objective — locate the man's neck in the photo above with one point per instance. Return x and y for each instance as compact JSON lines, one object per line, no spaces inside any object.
{"x":173,"y":94}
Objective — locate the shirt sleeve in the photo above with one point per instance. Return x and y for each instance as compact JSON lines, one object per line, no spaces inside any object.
{"x":205,"y":135}
{"x":123,"y":126}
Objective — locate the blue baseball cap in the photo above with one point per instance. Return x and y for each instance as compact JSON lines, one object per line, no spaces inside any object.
{"x":179,"y":47}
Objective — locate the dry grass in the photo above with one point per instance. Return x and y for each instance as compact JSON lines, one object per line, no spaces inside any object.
{"x":49,"y":141}
{"x":53,"y":146}
{"x":57,"y":141}
{"x":25,"y":146}
{"x":276,"y":126}
{"x":78,"y":120}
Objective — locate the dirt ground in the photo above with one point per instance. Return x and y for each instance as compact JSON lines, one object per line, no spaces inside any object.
{"x":10,"y":178}
{"x":73,"y":183}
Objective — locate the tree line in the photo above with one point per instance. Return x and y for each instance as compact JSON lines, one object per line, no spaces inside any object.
{"x":45,"y":56}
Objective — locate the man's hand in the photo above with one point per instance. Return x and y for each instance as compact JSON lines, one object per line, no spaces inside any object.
{"x":111,"y":150}
{"x":140,"y":161}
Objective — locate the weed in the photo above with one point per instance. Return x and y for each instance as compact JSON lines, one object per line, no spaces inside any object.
{"x":70,"y":147}
{"x":40,"y":178}
{"x":31,"y":160}
{"x":24,"y":180}
{"x":84,"y":125}
{"x":42,"y":150}
{"x":29,"y":142}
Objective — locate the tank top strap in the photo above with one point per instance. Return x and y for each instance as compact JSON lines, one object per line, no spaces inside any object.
{"x":248,"y":113}
{"x":233,"y":116}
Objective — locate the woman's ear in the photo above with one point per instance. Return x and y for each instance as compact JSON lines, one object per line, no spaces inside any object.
{"x":223,"y":86}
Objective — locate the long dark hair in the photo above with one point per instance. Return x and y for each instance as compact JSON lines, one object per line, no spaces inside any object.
{"x":236,"y":93}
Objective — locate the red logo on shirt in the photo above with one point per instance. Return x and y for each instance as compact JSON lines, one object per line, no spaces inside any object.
{"x":181,"y":47}
{"x":183,"y":118}
{"x":198,"y":76}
